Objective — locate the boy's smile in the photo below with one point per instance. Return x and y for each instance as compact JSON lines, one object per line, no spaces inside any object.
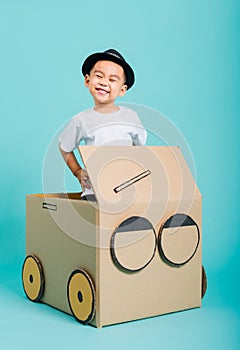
{"x":106,"y":82}
{"x":102,"y":91}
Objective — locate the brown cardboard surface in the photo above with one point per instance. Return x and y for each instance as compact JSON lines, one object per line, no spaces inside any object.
{"x":157,"y":289}
{"x":169,"y":180}
{"x":57,"y":251}
{"x":169,"y":189}
{"x":133,"y":278}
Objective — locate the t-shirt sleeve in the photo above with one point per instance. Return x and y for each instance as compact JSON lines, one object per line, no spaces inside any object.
{"x":70,"y":137}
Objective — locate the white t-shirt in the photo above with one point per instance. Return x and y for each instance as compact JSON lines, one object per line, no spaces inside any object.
{"x":122,"y":127}
{"x":95,"y":129}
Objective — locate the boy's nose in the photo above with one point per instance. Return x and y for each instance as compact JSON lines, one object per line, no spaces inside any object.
{"x":103,"y":82}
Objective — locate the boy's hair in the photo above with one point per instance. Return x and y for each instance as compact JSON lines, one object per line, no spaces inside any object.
{"x":109,"y":55}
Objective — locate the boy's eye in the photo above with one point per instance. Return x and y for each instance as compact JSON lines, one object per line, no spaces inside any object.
{"x":112,"y":80}
{"x":98,"y":75}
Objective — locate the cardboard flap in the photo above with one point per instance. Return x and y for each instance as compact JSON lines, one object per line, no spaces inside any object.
{"x":125,"y":175}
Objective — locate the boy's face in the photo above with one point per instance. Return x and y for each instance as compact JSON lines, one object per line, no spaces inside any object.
{"x":106,"y":82}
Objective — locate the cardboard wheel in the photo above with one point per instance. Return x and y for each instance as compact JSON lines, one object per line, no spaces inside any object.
{"x":178,"y":240}
{"x":81,"y":296}
{"x":33,"y":278}
{"x":204,"y":282}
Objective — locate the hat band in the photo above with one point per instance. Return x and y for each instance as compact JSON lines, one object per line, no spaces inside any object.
{"x":113,"y":54}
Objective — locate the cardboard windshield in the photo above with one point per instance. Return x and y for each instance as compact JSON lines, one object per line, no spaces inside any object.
{"x":124,"y":176}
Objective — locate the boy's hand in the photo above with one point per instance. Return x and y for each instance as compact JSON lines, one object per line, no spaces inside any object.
{"x":83,"y":178}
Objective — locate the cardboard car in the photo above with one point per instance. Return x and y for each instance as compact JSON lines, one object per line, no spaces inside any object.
{"x":134,"y":252}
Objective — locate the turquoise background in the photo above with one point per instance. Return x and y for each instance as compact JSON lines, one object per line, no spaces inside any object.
{"x":186,"y":57}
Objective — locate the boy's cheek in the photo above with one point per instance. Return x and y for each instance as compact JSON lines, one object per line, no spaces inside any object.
{"x":93,"y":80}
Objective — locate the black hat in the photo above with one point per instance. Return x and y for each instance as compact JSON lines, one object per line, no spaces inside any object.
{"x":109,"y":55}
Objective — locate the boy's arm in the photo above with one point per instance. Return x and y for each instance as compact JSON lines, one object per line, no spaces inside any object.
{"x":75,"y":168}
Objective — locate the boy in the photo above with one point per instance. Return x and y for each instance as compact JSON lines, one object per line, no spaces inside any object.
{"x":107,"y":75}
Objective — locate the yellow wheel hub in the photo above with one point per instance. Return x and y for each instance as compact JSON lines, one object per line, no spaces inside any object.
{"x":81,"y":296}
{"x":32,"y":278}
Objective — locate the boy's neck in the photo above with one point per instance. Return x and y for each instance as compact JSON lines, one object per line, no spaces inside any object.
{"x":104,"y":109}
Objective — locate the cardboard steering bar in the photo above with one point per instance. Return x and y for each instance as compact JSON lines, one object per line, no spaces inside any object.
{"x":131,"y":181}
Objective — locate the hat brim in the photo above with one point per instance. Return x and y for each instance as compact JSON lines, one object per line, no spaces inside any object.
{"x":101,"y":56}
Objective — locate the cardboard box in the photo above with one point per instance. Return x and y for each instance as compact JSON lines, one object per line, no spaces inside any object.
{"x":134,"y":253}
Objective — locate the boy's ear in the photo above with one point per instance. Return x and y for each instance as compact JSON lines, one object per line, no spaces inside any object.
{"x":86,"y":80}
{"x":123,"y":90}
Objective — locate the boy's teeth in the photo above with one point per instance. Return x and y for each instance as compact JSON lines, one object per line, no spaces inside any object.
{"x":102,"y":91}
